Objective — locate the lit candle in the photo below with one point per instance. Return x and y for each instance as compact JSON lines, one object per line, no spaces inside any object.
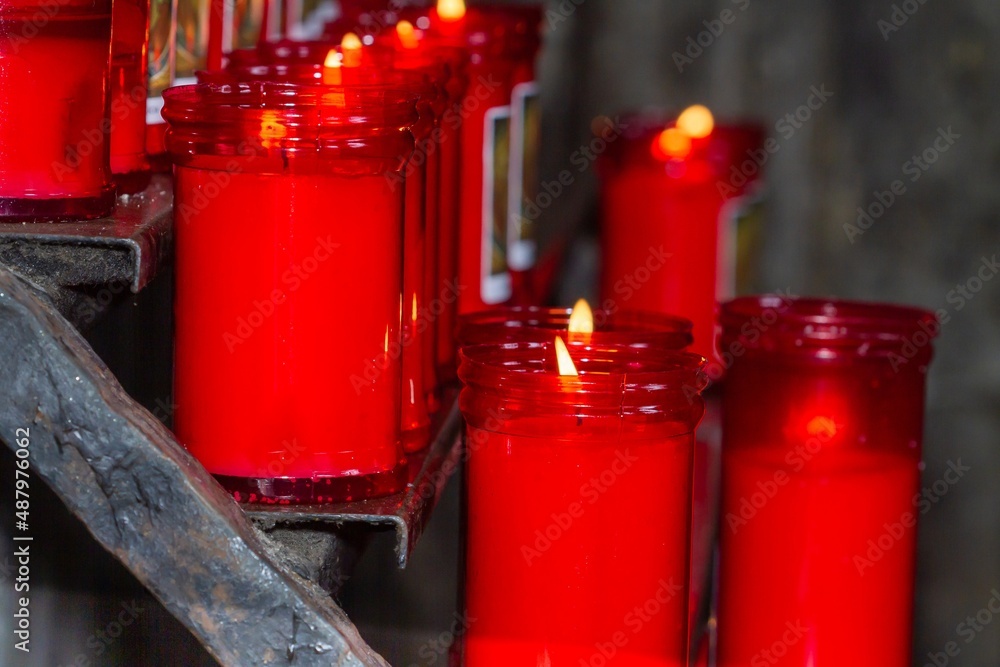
{"x":579,"y":481}
{"x":287,"y":374}
{"x":822,"y":423}
{"x":629,"y":328}
{"x":668,"y":223}
{"x":54,"y":149}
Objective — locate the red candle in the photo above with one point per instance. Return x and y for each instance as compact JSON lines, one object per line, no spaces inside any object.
{"x":288,"y":310}
{"x":667,"y":215}
{"x":822,"y":425}
{"x":499,"y":325}
{"x":416,"y":48}
{"x":417,"y":350}
{"x":485,"y":116}
{"x":54,"y":153}
{"x":578,"y":504}
{"x":129,"y":63}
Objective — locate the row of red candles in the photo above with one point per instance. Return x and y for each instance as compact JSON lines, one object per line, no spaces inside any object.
{"x":822,"y":403}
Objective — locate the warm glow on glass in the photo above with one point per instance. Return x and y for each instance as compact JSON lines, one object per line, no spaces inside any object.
{"x":696,"y":121}
{"x":821,"y":426}
{"x":672,"y":143}
{"x":350,"y":47}
{"x":566,"y":365}
{"x":407,"y":35}
{"x":414,"y":308}
{"x":451,"y":10}
{"x":331,"y":68}
{"x":271,"y":128}
{"x":581,"y":319}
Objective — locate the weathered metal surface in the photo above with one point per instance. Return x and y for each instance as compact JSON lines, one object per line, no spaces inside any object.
{"x":96,"y":259}
{"x":406,"y":512}
{"x":150,"y":504}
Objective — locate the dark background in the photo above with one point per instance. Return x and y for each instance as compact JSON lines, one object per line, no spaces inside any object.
{"x":893,"y":90}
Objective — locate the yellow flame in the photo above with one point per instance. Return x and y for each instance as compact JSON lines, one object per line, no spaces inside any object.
{"x":581,"y":319}
{"x":451,"y":10}
{"x":824,"y":426}
{"x":414,"y":308}
{"x":673,"y":143}
{"x":407,"y":35}
{"x":350,"y":47}
{"x":331,"y":68}
{"x":566,"y":366}
{"x":696,"y":121}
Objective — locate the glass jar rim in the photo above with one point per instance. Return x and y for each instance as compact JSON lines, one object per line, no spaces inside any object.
{"x":605,"y":368}
{"x":298,"y":104}
{"x":636,"y":327}
{"x":812,"y":325}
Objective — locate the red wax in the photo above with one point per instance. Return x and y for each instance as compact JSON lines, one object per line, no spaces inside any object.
{"x":54,"y":67}
{"x":795,"y":561}
{"x":416,"y":349}
{"x":129,"y":30}
{"x":822,"y":428}
{"x":288,"y":311}
{"x":578,"y":505}
{"x":667,"y":242}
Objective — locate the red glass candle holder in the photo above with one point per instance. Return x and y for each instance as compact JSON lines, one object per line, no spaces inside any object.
{"x":667,"y":218}
{"x":129,"y":67}
{"x":54,"y":152}
{"x":417,"y":347}
{"x":822,"y":423}
{"x":288,"y":309}
{"x":531,"y":323}
{"x":579,"y":498}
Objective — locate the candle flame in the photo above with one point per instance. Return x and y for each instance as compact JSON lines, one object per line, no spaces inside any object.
{"x":451,"y":10}
{"x":407,"y":35}
{"x":331,"y":68}
{"x":350,"y":47}
{"x":696,"y":121}
{"x":414,"y":308}
{"x":581,"y":319}
{"x":566,"y":365}
{"x":672,"y":143}
{"x":822,"y":426}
